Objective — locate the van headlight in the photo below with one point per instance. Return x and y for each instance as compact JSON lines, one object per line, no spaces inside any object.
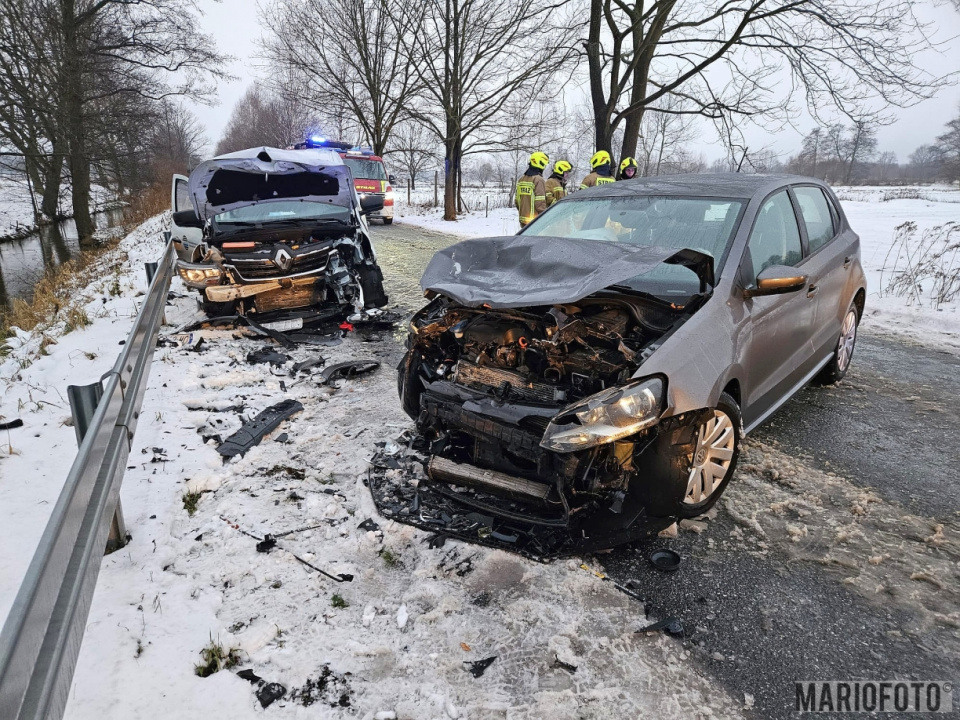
{"x":199,"y":276}
{"x":610,"y":415}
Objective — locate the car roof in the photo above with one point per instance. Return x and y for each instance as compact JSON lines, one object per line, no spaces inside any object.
{"x":727,"y":185}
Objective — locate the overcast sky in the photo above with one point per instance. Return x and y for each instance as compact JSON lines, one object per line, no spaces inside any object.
{"x":235,"y":28}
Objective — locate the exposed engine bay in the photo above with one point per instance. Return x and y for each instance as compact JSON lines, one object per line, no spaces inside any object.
{"x":487,"y":386}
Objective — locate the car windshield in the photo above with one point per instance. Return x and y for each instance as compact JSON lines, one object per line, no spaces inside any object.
{"x":366,"y":169}
{"x":703,"y":224}
{"x":282,"y":210}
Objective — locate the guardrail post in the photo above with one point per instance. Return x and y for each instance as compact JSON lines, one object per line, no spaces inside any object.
{"x":83,"y":404}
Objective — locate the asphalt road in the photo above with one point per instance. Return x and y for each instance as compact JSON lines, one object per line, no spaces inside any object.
{"x":756,"y":617}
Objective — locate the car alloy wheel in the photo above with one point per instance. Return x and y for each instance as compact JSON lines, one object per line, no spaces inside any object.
{"x":848,"y":338}
{"x":716,"y":439}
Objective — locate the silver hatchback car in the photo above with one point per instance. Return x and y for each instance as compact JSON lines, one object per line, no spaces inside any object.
{"x":593,"y":376}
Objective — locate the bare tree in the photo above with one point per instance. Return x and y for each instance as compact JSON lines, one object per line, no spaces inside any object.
{"x":261,"y":117}
{"x":413,"y":147}
{"x":723,"y":56}
{"x":351,"y":53}
{"x":851,"y":147}
{"x":886,"y":165}
{"x":924,"y":162}
{"x":948,"y":150}
{"x":476,"y":57}
{"x":662,"y":141}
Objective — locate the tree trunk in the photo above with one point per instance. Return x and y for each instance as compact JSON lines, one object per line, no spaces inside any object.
{"x":603,"y":139}
{"x":631,"y":134}
{"x":50,"y":204}
{"x":451,"y":171}
{"x":78,"y":160}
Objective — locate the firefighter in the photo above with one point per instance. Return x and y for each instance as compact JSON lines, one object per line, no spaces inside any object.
{"x":602,"y":174}
{"x":628,"y":169}
{"x":531,"y":189}
{"x":557,"y":182}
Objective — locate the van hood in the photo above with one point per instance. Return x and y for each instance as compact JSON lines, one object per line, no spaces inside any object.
{"x":265,"y":174}
{"x":519,"y":270}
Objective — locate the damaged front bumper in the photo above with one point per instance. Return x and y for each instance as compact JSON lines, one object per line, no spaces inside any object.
{"x":477,"y":469}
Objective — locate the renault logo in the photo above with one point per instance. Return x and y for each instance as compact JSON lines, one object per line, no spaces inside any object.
{"x":283,"y":259}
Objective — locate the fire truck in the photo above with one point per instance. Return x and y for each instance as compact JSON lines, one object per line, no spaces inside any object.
{"x":370,"y":176}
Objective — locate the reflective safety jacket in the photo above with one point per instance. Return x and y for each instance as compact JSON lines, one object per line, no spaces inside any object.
{"x":555,"y":190}
{"x":595,"y":178}
{"x":531,"y":197}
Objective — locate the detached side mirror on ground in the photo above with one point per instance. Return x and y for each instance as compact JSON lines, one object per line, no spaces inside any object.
{"x":370,"y":204}
{"x":777,"y":280}
{"x":187,"y":218}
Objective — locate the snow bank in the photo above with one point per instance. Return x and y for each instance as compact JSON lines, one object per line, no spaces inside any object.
{"x":16,"y":209}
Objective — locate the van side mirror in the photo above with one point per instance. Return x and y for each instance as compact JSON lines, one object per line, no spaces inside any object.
{"x":392,"y":179}
{"x":187,"y":218}
{"x":777,"y":280}
{"x":370,"y":204}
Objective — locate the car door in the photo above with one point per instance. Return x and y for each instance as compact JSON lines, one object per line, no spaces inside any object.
{"x":186,"y":240}
{"x":829,"y":253}
{"x":777,"y":341}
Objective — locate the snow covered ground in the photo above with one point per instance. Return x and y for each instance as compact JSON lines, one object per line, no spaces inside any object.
{"x":873,"y":212}
{"x":394,"y":640}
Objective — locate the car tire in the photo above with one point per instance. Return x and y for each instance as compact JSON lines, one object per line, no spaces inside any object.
{"x":834,"y":370}
{"x":388,"y":221}
{"x":371,"y":281}
{"x":716,"y":445}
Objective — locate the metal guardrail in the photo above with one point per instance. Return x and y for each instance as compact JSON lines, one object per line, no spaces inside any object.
{"x":41,"y":638}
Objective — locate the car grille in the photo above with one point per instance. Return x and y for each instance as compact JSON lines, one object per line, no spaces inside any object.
{"x":261,"y":266}
{"x":489,"y":378}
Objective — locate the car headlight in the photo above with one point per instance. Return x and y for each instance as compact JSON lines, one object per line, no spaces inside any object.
{"x":610,"y":415}
{"x":199,"y":276}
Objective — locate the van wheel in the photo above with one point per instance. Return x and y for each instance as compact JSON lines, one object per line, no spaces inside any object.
{"x":371,"y":281}
{"x":388,"y":221}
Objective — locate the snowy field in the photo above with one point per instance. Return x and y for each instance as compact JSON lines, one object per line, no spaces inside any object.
{"x":874,"y":214}
{"x":16,"y":210}
{"x":394,"y":642}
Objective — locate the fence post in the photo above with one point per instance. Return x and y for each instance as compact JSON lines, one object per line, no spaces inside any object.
{"x":488,"y":207}
{"x":408,"y":192}
{"x":83,"y":404}
{"x":436,"y":185}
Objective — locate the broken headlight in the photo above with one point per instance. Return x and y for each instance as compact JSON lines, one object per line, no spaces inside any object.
{"x":199,"y":276}
{"x":610,"y":415}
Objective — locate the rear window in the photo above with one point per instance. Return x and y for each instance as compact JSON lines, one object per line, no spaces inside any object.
{"x":816,"y":216}
{"x":365,"y":168}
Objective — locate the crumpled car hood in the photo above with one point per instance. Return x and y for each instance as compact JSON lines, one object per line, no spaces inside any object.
{"x":264,"y":174}
{"x":519,"y":270}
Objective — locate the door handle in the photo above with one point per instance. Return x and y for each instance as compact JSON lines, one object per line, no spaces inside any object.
{"x":846,"y":262}
{"x":812,"y":290}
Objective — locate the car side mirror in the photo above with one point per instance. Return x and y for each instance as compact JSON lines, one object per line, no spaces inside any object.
{"x":392,"y":179}
{"x":187,"y":218}
{"x":370,"y":204}
{"x":777,"y":280}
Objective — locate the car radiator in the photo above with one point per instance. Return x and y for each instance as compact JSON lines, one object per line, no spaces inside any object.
{"x":487,"y":378}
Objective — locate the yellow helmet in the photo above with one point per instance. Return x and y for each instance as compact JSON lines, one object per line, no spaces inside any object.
{"x":562,"y":166}
{"x":539,"y":160}
{"x":601,"y":157}
{"x":627,"y":162}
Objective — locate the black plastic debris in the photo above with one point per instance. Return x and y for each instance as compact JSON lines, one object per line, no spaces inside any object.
{"x":267,"y":544}
{"x":250,"y":676}
{"x":253,"y":430}
{"x":278,"y":336}
{"x":308,"y":364}
{"x":436,"y":541}
{"x":269,"y":693}
{"x":11,"y":424}
{"x":282,"y":438}
{"x":665,"y":560}
{"x":348,"y":369}
{"x":315,"y":339}
{"x":368,"y":525}
{"x":267,"y":355}
{"x":478,"y":667}
{"x":558,"y":663}
{"x":671,"y":626}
